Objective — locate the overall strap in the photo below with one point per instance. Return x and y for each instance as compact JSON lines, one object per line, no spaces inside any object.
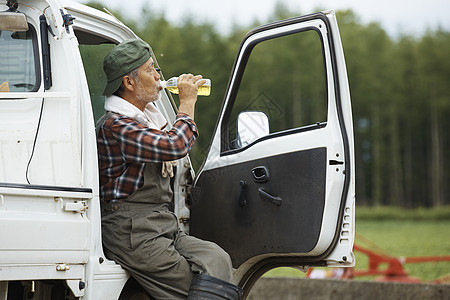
{"x":102,"y":120}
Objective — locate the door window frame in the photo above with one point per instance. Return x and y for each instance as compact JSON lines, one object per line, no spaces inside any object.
{"x":239,"y":68}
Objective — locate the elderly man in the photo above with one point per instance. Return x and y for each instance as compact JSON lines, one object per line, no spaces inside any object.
{"x":139,"y":231}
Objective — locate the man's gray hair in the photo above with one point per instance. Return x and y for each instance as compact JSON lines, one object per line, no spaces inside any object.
{"x":134,"y":75}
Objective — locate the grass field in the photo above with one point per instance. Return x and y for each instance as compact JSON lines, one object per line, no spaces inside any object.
{"x":400,"y":233}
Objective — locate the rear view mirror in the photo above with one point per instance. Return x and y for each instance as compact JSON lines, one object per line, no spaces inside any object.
{"x":12,"y":19}
{"x":251,"y":125}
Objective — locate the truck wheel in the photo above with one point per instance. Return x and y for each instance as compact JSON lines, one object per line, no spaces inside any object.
{"x":134,"y":291}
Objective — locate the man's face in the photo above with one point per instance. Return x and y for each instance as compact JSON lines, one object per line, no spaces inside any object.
{"x":148,"y":87}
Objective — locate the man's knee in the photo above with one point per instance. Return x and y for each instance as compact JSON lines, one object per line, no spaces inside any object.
{"x":219,"y":264}
{"x":222,"y":256}
{"x":205,"y":257}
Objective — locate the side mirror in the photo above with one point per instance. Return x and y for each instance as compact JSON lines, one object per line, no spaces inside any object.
{"x":251,"y":125}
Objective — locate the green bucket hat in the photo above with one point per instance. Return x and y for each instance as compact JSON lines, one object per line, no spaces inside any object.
{"x":121,"y":60}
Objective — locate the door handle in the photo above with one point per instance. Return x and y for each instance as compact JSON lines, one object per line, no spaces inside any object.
{"x":260,"y":174}
{"x":266,"y":196}
{"x":242,"y":194}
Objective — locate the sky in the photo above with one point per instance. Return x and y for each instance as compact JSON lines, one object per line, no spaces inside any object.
{"x":395,"y":16}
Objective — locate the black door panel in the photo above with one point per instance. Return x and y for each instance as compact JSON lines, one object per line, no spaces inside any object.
{"x":280,"y":212}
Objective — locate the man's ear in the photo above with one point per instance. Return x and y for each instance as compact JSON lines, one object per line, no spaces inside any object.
{"x":128,"y":83}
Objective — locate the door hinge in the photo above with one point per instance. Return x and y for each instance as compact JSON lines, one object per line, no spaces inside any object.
{"x":62,"y":267}
{"x":76,"y":206}
{"x":67,"y":20}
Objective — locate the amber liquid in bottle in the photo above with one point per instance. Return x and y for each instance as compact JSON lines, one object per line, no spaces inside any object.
{"x":171,"y":86}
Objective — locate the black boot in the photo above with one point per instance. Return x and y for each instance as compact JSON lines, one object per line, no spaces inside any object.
{"x":207,"y":287}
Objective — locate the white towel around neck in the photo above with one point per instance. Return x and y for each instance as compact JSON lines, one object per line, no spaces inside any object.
{"x":150,"y":117}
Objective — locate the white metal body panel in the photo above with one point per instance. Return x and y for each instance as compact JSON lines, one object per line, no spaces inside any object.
{"x":45,"y":233}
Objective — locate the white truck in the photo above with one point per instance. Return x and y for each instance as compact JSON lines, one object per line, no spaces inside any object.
{"x":271,"y":193}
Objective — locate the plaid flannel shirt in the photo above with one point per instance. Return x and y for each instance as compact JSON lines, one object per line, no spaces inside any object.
{"x":125,"y":145}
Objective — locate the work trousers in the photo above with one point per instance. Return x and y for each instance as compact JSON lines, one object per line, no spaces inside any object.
{"x":145,"y":240}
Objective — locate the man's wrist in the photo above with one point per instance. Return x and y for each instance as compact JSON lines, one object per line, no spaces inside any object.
{"x":187,"y":109}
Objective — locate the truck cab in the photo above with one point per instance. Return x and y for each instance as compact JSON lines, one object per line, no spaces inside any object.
{"x":276,"y":188}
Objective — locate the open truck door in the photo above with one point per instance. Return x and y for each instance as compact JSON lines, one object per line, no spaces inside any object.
{"x":277,"y":186}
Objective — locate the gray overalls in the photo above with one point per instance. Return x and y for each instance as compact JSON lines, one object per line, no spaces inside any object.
{"x":142,"y":235}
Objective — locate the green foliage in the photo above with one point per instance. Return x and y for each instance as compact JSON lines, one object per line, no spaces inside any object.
{"x":390,"y":213}
{"x":118,"y":14}
{"x":399,"y":89}
{"x":285,"y":272}
{"x":400,"y":134}
{"x":95,"y":5}
{"x":288,"y":73}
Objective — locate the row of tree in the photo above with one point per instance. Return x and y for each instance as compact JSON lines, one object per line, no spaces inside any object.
{"x":400,"y":96}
